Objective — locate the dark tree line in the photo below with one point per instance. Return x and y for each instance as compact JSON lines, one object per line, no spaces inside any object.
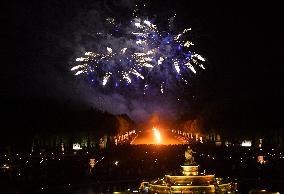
{"x":24,"y":121}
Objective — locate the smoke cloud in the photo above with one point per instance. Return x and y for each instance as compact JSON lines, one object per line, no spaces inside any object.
{"x":77,"y":38}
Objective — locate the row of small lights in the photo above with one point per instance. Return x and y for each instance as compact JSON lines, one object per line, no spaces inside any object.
{"x":157,"y":159}
{"x":41,"y":154}
{"x":145,"y":152}
{"x":116,"y":162}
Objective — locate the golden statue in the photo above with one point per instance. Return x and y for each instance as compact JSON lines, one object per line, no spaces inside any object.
{"x":189,"y":159}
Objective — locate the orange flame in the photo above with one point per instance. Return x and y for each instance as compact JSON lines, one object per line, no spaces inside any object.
{"x":157,"y":135}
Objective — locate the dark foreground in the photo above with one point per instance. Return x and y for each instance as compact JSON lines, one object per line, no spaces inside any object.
{"x":123,"y":167}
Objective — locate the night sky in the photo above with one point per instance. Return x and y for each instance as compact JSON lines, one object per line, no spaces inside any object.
{"x":242,"y":43}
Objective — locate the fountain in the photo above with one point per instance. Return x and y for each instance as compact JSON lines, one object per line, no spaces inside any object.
{"x":190,"y":181}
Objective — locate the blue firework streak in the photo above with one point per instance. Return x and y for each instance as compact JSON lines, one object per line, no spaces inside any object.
{"x":140,"y":55}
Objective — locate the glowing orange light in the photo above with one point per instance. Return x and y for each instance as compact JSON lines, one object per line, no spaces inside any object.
{"x":157,"y":134}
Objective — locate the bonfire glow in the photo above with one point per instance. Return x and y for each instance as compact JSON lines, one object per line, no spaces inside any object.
{"x":157,"y":135}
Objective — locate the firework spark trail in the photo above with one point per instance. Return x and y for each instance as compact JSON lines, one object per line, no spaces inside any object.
{"x":145,"y":58}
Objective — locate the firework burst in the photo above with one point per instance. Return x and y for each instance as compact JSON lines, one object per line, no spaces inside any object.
{"x":139,"y":55}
